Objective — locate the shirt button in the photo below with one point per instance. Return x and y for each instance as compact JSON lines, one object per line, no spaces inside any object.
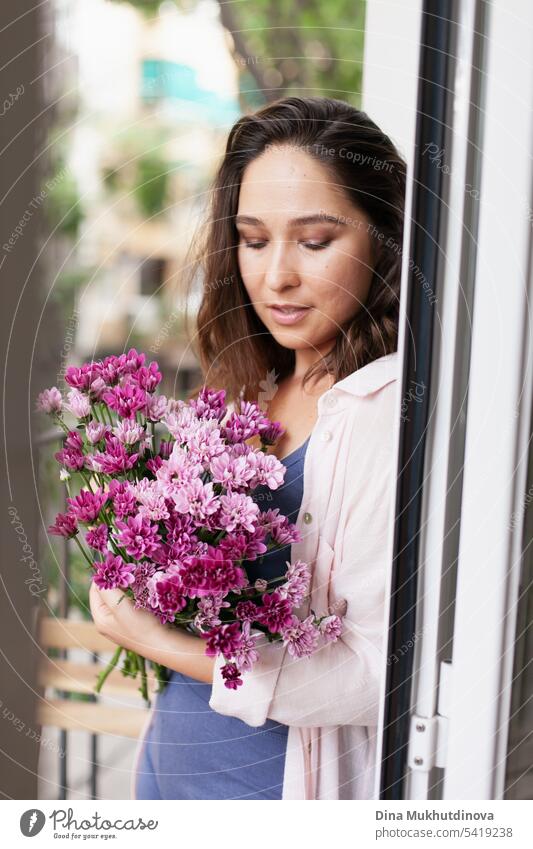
{"x":307,"y":518}
{"x":331,"y":400}
{"x":325,"y":436}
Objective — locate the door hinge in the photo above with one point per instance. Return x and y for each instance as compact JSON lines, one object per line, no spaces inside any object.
{"x":428,"y":735}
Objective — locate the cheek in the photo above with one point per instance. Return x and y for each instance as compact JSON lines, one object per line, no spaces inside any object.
{"x":340,"y":285}
{"x":248,"y":270}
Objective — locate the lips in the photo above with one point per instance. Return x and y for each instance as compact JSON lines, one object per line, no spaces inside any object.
{"x":288,"y":313}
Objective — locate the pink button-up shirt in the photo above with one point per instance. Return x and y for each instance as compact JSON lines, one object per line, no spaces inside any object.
{"x":330,"y":700}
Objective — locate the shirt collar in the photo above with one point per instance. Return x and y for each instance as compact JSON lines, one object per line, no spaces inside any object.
{"x":362,"y":382}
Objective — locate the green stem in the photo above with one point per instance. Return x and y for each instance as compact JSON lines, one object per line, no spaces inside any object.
{"x":144,"y":679}
{"x":81,"y":548}
{"x":109,"y":668}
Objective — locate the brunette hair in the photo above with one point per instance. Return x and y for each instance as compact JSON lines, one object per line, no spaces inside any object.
{"x":236,"y":350}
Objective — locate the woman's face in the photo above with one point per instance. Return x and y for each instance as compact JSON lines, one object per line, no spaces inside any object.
{"x":305,"y":275}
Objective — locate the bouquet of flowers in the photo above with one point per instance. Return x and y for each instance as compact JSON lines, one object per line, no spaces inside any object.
{"x":169,"y":517}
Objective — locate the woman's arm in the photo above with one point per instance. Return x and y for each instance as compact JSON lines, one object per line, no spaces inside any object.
{"x":140,"y":631}
{"x":340,"y":683}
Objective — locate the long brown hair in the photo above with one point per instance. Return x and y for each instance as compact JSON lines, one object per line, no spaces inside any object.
{"x":235,"y":349}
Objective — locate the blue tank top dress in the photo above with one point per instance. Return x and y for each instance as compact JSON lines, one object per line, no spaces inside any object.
{"x":189,"y":750}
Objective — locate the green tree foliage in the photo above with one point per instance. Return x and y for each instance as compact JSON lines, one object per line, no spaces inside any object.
{"x":305,"y":47}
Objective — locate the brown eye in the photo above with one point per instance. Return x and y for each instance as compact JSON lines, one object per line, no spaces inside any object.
{"x":255,"y":245}
{"x":317,"y":246}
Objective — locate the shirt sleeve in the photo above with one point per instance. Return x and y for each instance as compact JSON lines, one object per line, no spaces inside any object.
{"x":340,"y":683}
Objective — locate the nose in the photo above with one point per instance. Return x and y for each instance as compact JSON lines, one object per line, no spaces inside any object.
{"x":281,"y":271}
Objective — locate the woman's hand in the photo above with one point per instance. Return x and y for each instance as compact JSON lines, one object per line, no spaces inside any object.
{"x":138,"y":630}
{"x":116,"y":618}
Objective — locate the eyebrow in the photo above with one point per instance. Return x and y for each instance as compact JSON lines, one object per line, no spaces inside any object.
{"x":294,"y":222}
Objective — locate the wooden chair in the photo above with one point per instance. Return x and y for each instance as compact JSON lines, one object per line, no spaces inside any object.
{"x":69,"y":676}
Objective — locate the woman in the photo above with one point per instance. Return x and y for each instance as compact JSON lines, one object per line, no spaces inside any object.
{"x":301,"y":270}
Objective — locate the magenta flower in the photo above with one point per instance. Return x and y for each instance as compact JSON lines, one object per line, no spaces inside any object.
{"x":170,"y":595}
{"x":276,"y":612}
{"x":149,"y":377}
{"x":247,"y":423}
{"x":123,"y":495}
{"x":65,"y":526}
{"x":210,"y":404}
{"x":113,"y":572}
{"x":86,"y":506}
{"x":246,"y":610}
{"x":115,"y":458}
{"x":71,"y":455}
{"x":97,"y":537}
{"x":211,"y":573}
{"x":81,"y":378}
{"x":50,"y":401}
{"x":271,"y":433}
{"x":138,"y":536}
{"x":126,"y":400}
{"x":231,"y":675}
{"x":224,"y":639}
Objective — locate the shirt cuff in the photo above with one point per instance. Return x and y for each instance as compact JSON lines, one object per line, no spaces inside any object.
{"x":251,"y":701}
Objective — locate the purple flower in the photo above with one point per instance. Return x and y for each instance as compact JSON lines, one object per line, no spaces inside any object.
{"x":208,"y":609}
{"x":87,"y":505}
{"x":197,"y":499}
{"x":65,"y":526}
{"x":126,"y":400}
{"x":50,"y":401}
{"x":331,"y":628}
{"x":110,"y":370}
{"x":97,"y":537}
{"x":115,"y":458}
{"x":210,"y":404}
{"x":211,"y":573}
{"x":246,"y":610}
{"x":246,"y":655}
{"x":224,"y":639}
{"x":78,"y":404}
{"x":231,"y":675}
{"x":247,"y":423}
{"x":96,"y":431}
{"x":129,"y":432}
{"x":71,"y":455}
{"x":113,"y":572}
{"x":271,"y":433}
{"x":269,"y":471}
{"x":238,"y":511}
{"x":156,"y":407}
{"x":142,"y":573}
{"x":81,"y":378}
{"x":123,"y":495}
{"x":170,"y":595}
{"x":138,"y":536}
{"x":301,"y":638}
{"x":276,"y":612}
{"x":149,"y":377}
{"x":297,"y":582}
